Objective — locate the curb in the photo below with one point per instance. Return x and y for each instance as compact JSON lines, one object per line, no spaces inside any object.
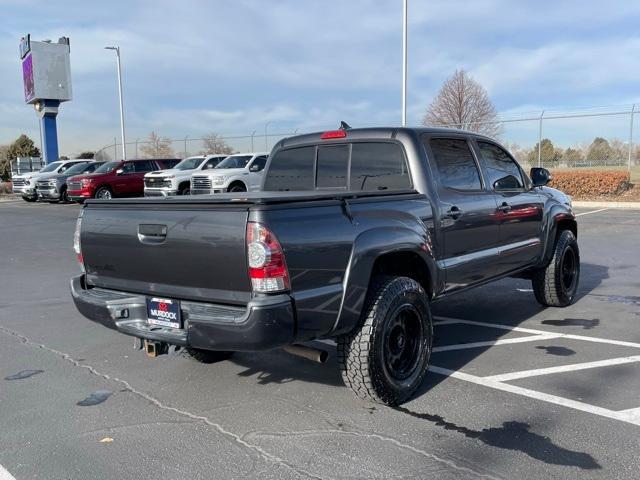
{"x":625,"y":205}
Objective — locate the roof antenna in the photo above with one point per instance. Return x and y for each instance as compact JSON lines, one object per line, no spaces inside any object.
{"x":344,"y":125}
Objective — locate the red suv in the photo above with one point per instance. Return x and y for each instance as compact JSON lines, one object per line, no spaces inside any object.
{"x":116,"y":179}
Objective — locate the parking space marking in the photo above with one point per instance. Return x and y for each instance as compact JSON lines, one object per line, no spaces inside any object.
{"x":498,"y":382}
{"x":545,"y":397}
{"x":633,"y":414}
{"x":506,"y":341}
{"x":5,"y":475}
{"x":506,"y":377}
{"x":592,"y":211}
{"x":570,"y":336}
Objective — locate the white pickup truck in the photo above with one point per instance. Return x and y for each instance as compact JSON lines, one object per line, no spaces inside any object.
{"x":241,"y":172}
{"x":176,"y":181}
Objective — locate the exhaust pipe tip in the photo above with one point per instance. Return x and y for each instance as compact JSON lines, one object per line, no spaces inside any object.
{"x":310,"y":353}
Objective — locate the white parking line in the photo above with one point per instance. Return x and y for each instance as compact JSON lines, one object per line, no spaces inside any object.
{"x":505,"y":341}
{"x":497,"y":382}
{"x":592,"y":211}
{"x":506,"y":377}
{"x":4,"y":475}
{"x":570,"y":336}
{"x":545,"y":397}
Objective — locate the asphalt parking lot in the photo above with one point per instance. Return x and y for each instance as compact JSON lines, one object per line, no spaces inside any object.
{"x":515,"y":390}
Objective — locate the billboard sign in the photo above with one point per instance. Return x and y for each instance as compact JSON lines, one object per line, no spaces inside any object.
{"x":27,"y":77}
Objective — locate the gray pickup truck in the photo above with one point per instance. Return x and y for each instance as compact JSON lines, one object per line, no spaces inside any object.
{"x":354,"y":234}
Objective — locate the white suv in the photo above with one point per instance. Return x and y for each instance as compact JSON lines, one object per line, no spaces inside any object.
{"x":176,"y":181}
{"x":241,"y":172}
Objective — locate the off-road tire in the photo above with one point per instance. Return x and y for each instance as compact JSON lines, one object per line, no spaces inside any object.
{"x":205,"y":356}
{"x":551,"y":285}
{"x":363,"y":354}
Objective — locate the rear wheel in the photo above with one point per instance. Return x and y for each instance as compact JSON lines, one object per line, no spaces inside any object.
{"x":205,"y":356}
{"x":103,"y":193}
{"x":386,"y":358}
{"x":556,"y":284}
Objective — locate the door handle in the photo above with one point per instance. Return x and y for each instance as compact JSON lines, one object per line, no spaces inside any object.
{"x":454,"y":212}
{"x":505,"y":207}
{"x":152,"y":234}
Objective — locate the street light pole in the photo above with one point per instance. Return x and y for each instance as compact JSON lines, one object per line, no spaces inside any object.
{"x":404,"y":63}
{"x":124,"y":143}
{"x":266,"y":141}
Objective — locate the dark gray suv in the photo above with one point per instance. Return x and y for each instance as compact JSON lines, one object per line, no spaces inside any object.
{"x":53,"y":187}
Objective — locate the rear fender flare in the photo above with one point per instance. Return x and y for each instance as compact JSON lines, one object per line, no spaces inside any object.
{"x":367,"y":248}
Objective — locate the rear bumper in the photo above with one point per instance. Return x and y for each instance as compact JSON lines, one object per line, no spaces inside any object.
{"x":264,"y":324}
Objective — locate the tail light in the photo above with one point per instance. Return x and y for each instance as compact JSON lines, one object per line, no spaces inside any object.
{"x":76,"y":241}
{"x":267,"y":266}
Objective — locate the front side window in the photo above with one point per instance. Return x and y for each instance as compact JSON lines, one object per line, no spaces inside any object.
{"x":333,"y":166}
{"x":258,"y":164}
{"x":128,"y":167}
{"x":378,"y":166}
{"x":456,"y":166}
{"x":291,"y":170}
{"x":502,"y":171}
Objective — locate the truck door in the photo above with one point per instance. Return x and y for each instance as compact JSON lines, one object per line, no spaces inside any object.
{"x":255,"y":172}
{"x":519,"y":207}
{"x":467,"y":227}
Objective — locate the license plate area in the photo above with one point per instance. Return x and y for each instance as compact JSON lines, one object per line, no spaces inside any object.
{"x":164,"y":312}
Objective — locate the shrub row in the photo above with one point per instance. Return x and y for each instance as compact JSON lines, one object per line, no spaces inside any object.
{"x":590,"y":183}
{"x":5,"y":188}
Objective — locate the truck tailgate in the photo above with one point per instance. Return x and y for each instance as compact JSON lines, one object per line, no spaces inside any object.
{"x":170,"y":250}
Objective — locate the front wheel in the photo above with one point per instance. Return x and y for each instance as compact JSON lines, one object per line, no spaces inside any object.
{"x":386,"y":358}
{"x":64,"y":197}
{"x":103,"y":193}
{"x":237,"y":187}
{"x":185,"y":190}
{"x":30,"y":199}
{"x":556,"y":284}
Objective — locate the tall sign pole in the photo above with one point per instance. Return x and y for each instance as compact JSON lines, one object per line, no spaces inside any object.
{"x":404,"y":63}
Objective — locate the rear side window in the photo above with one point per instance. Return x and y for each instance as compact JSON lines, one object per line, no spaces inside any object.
{"x":332,"y":166}
{"x":167,"y":164}
{"x":378,"y":166}
{"x":455,"y":163}
{"x":502,"y":172}
{"x":144,"y":166}
{"x":292,"y":170}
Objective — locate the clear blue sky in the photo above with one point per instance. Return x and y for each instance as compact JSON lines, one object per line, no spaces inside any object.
{"x":192,"y":67}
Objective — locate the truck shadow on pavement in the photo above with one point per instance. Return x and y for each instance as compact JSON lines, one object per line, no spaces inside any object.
{"x":516,"y":436}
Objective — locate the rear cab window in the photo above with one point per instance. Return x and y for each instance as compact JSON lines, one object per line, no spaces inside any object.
{"x":357,"y":166}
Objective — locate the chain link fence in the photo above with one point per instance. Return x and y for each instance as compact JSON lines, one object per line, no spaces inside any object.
{"x":592,"y":138}
{"x":188,"y":146}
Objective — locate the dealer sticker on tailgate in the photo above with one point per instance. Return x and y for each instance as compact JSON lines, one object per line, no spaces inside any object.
{"x":164,"y":312}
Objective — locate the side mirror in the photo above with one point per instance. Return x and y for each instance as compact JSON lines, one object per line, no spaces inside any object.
{"x":540,"y":176}
{"x":119,"y":171}
{"x":507,"y":183}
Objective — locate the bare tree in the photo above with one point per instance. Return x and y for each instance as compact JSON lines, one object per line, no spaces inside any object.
{"x":214,"y":143}
{"x":463,"y":103}
{"x":157,"y":147}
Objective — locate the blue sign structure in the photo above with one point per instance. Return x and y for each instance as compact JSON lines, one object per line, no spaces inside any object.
{"x":46,"y":73}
